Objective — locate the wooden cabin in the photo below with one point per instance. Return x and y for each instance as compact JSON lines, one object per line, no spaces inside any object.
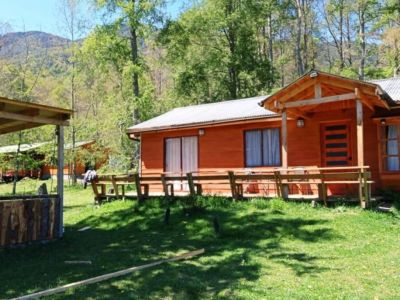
{"x":318,"y":121}
{"x":43,"y":170}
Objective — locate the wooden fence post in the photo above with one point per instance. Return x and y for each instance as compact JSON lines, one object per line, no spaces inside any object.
{"x":191,"y":184}
{"x":164,"y":184}
{"x":360,"y":187}
{"x":278,"y":183}
{"x":232,"y":183}
{"x":114,"y":184}
{"x":138,"y":188}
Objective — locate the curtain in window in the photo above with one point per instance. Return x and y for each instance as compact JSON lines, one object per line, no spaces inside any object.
{"x":271,"y":147}
{"x":173,"y":155}
{"x":393,"y":163}
{"x":189,"y":154}
{"x":253,"y":148}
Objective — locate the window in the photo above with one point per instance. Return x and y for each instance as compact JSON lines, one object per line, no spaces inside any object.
{"x":262,"y":147}
{"x":181,"y":154}
{"x":390,"y":154}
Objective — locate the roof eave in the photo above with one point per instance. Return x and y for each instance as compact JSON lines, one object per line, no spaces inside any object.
{"x":198,"y":124}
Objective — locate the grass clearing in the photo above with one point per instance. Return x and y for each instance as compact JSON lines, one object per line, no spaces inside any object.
{"x":266,"y":249}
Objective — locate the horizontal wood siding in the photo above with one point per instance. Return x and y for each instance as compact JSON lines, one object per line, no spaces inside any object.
{"x":221,"y":148}
{"x":28,"y":220}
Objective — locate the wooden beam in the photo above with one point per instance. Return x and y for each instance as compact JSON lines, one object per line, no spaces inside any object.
{"x":294,"y":112}
{"x":361,"y":96}
{"x":284,"y":140}
{"x":60,"y":289}
{"x":24,"y":104}
{"x":321,"y":100}
{"x":32,"y":119}
{"x":60,"y":176}
{"x":377,"y":94}
{"x":19,"y":127}
{"x":360,"y":133}
{"x":9,"y":123}
{"x":317,"y":91}
{"x":294,"y":90}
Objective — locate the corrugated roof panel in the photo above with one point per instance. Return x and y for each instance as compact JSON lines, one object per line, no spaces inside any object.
{"x":23,"y":147}
{"x":391,"y":86}
{"x":28,"y":147}
{"x":202,"y":114}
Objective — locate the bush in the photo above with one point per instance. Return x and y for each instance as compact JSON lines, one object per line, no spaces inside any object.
{"x":277,"y":204}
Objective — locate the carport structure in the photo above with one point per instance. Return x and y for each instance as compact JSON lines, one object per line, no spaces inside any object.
{"x":29,"y":218}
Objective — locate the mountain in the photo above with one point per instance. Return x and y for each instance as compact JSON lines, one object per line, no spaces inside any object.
{"x":14,"y":45}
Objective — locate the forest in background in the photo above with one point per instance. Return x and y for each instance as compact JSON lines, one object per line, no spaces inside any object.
{"x":138,"y":63}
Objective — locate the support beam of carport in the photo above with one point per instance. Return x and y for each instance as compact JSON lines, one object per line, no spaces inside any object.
{"x":60,"y":175}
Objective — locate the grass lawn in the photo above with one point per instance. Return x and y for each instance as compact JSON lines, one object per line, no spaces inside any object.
{"x":266,"y":250}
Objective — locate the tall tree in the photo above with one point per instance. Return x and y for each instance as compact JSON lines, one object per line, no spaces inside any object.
{"x":214,"y":49}
{"x":135,"y":17}
{"x":72,"y":21}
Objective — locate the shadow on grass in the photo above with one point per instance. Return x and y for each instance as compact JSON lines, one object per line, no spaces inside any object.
{"x":124,"y":238}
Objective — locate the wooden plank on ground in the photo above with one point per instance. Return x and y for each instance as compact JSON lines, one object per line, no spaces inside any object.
{"x":100,"y":278}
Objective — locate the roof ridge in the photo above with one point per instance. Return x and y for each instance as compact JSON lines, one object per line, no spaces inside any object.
{"x":218,"y":102}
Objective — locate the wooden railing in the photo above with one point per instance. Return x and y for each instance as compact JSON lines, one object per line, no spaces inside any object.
{"x":280,"y":178}
{"x":25,"y":219}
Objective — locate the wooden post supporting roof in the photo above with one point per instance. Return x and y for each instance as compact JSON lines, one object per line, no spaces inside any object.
{"x":285,"y":187}
{"x":284,"y":140}
{"x":60,"y":175}
{"x":360,"y":131}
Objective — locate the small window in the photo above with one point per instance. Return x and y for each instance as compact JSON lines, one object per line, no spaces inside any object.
{"x":389,"y":143}
{"x":262,"y":147}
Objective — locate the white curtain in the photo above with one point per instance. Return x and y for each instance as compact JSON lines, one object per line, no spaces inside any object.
{"x":253,"y":148}
{"x":189,"y":154}
{"x":271,"y":147}
{"x":393,"y":163}
{"x":173,"y":155}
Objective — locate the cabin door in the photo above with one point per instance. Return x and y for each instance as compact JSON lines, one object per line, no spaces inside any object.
{"x":336,"y":145}
{"x":181,"y":157}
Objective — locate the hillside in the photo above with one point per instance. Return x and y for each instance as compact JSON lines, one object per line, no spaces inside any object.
{"x":14,"y":45}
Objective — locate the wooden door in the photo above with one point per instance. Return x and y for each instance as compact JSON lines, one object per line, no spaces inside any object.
{"x":336,"y":145}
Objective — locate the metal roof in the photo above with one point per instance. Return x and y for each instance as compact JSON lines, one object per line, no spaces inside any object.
{"x":205,"y":114}
{"x":28,"y":147}
{"x":23,"y":147}
{"x":391,"y":86}
{"x":78,"y":144}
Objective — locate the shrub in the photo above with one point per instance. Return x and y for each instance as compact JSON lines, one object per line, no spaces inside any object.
{"x":277,"y":204}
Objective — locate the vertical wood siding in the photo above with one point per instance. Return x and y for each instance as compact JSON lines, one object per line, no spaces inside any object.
{"x":28,"y":220}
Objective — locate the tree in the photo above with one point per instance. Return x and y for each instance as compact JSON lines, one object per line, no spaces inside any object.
{"x":72,"y":21}
{"x":216,"y":52}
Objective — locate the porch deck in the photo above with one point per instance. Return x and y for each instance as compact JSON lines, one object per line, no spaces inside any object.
{"x":291,"y":183}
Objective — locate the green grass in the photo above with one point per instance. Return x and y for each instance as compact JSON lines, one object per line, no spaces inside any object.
{"x":270,"y":250}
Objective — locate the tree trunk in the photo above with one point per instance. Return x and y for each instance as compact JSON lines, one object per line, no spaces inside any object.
{"x":299,"y":59}
{"x":73,"y":128}
{"x":361,"y":34}
{"x":134,"y":59}
{"x":270,"y":40}
{"x":341,"y":49}
{"x":348,"y":35}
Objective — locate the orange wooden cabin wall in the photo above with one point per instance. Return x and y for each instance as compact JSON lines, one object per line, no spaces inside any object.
{"x":222,"y":147}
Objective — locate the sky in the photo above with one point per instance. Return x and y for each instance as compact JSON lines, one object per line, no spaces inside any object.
{"x":43,"y":15}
